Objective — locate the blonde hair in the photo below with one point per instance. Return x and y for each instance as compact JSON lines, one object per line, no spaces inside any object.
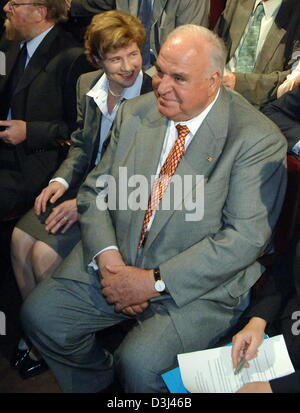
{"x":111,"y":31}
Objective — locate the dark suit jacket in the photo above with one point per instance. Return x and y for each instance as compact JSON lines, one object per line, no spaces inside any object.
{"x":46,"y":99}
{"x":285,"y":112}
{"x":273,"y":62}
{"x":278,"y":300}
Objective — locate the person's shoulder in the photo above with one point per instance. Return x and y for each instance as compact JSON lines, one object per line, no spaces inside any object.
{"x":88,"y":80}
{"x":61,"y":44}
{"x":248,"y":123}
{"x":244,"y":112}
{"x":142,"y":104}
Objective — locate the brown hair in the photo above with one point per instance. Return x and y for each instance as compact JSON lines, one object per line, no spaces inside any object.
{"x":111,"y":31}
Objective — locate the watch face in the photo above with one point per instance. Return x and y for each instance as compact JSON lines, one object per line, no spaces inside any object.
{"x":160,"y":286}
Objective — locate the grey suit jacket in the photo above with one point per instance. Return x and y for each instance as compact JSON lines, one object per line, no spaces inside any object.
{"x":272,"y":65}
{"x":207,"y":264}
{"x":167,"y":14}
{"x":85,"y":140}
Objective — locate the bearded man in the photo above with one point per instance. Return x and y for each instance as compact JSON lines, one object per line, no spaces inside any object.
{"x":38,"y":98}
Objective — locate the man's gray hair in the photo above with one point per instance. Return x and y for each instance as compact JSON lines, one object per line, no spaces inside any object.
{"x":215,"y":45}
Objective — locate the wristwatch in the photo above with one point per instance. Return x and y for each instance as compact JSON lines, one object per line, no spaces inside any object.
{"x":159,"y":284}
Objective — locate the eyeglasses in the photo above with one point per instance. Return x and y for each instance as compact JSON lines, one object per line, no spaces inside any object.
{"x":12,"y":4}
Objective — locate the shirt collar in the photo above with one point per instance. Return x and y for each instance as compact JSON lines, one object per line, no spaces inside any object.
{"x":271,"y":7}
{"x":100,"y":89}
{"x":34,"y":43}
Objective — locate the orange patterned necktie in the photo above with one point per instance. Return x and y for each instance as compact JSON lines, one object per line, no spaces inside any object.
{"x":162,"y":181}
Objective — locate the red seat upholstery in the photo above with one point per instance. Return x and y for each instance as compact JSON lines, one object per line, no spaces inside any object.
{"x":216,"y":8}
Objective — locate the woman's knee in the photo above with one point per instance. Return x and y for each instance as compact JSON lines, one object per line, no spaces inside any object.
{"x":44,"y":260}
{"x":21,"y":244}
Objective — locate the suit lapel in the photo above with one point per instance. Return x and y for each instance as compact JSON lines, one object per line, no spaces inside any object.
{"x":148,"y":148}
{"x":159,"y":6}
{"x":238,"y":25}
{"x":200,"y":158}
{"x":38,"y":61}
{"x":97,"y":121}
{"x":270,"y":45}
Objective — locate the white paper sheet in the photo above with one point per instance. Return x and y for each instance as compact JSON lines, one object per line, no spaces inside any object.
{"x":211,"y":371}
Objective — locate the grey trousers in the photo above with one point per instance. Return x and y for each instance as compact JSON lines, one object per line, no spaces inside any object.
{"x":61,"y":317}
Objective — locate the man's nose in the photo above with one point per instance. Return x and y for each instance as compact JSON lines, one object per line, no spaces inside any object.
{"x":164,"y":85}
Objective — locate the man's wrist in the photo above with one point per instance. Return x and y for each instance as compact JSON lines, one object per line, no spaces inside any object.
{"x":61,"y":181}
{"x":159,"y":284}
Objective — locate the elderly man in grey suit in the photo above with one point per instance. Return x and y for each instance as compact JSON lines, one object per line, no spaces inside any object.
{"x":183,"y":276}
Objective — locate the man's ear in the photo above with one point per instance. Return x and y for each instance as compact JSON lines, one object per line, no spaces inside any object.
{"x":215,"y":81}
{"x":43,"y":11}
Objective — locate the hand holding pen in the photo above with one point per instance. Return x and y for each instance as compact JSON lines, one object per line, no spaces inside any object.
{"x":246,"y":342}
{"x":243,"y":362}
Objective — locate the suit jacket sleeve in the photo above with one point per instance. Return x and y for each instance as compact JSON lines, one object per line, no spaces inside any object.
{"x":248,"y":216}
{"x":286,"y":384}
{"x":259,"y":88}
{"x":285,"y":112}
{"x":88,"y":210}
{"x":44,"y":134}
{"x":76,"y":165}
{"x":268,"y":301}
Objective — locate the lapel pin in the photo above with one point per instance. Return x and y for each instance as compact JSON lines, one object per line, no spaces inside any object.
{"x":209,"y":158}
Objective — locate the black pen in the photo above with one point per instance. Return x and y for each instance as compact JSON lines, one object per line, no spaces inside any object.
{"x":241,"y":362}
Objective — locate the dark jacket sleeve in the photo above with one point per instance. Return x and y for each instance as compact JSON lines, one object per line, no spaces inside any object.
{"x":44,"y":134}
{"x":287,"y":384}
{"x":268,"y":302}
{"x":285,"y":112}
